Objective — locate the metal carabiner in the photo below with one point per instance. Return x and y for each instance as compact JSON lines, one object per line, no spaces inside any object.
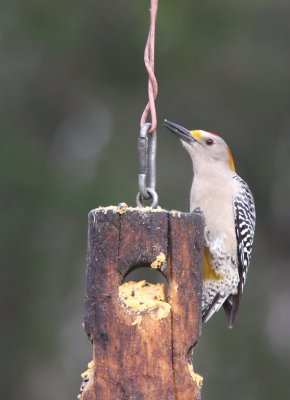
{"x":147,"y":146}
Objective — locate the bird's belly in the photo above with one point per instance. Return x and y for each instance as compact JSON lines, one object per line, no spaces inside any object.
{"x":220,"y":275}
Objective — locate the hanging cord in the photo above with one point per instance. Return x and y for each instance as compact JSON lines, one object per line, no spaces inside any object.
{"x":149,"y":58}
{"x":147,"y":143}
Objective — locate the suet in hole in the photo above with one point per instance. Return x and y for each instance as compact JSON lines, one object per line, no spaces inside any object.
{"x":144,"y":272}
{"x":145,"y":289}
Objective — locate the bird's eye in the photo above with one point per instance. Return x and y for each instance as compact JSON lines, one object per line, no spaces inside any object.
{"x":209,"y":142}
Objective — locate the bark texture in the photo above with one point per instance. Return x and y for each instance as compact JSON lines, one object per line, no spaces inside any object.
{"x":138,"y":352}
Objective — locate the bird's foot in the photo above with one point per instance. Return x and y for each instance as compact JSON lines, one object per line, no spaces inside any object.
{"x":198,"y":210}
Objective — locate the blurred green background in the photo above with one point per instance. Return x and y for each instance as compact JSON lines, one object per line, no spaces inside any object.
{"x":72,"y":89}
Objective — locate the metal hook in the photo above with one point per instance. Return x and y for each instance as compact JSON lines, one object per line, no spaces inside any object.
{"x":147,"y":146}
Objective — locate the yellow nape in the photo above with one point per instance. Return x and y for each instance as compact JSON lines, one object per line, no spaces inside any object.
{"x":208,"y":270}
{"x":197,"y":134}
{"x":231,"y":160}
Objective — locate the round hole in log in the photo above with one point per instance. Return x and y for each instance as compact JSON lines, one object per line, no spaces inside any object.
{"x":145,"y":272}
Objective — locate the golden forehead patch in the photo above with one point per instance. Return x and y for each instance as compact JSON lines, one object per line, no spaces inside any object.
{"x":197,"y":134}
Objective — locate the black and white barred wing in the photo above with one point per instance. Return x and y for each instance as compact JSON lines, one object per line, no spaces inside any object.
{"x":245,"y":221}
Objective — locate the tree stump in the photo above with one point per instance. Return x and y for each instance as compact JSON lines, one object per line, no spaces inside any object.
{"x":143,"y":341}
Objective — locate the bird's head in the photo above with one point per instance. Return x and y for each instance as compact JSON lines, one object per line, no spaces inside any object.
{"x":206,"y":149}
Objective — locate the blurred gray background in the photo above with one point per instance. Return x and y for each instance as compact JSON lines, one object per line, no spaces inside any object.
{"x":72,"y":88}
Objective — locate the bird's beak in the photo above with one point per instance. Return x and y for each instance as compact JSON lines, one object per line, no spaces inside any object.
{"x":183,"y":133}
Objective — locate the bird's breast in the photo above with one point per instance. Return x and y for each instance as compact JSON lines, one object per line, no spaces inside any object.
{"x":216,"y":203}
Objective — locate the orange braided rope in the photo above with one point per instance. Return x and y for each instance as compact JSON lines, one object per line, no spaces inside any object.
{"x":149,"y":63}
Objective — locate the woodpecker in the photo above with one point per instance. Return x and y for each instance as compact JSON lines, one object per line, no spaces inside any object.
{"x":228,"y":207}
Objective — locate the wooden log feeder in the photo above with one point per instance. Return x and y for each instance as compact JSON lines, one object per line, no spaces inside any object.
{"x":143,"y":338}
